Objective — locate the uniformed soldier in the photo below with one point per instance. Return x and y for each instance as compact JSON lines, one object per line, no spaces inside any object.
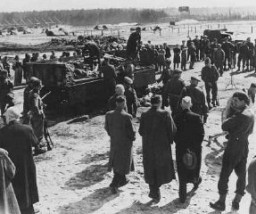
{"x":6,"y":87}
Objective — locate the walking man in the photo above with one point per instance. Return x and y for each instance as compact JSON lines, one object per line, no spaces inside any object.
{"x":118,"y":125}
{"x":157,"y":130}
{"x":239,"y":127}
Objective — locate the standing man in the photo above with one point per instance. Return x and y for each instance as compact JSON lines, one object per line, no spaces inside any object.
{"x":131,"y":97}
{"x":197,"y":97}
{"x":133,"y":44}
{"x":18,"y":139}
{"x":227,"y":47}
{"x":210,"y":77}
{"x":109,"y":78}
{"x":189,"y":136}
{"x":239,"y":127}
{"x":17,"y":67}
{"x":157,"y":130}
{"x":173,"y":90}
{"x":184,"y":50}
{"x":118,"y":125}
{"x":25,"y":61}
{"x":219,"y":59}
{"x":6,"y":87}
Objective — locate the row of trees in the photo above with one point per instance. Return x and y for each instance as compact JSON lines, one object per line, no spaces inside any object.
{"x":85,"y":17}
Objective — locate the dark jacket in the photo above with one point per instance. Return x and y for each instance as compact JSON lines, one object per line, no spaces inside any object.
{"x":190,"y":135}
{"x":18,"y":139}
{"x":157,"y":130}
{"x":118,"y":125}
{"x":239,"y":127}
{"x":210,"y":74}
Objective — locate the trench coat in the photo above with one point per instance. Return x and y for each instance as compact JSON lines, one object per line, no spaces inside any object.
{"x":8,"y":201}
{"x":118,"y":125}
{"x":18,"y":139}
{"x":190,"y":135}
{"x":157,"y":130}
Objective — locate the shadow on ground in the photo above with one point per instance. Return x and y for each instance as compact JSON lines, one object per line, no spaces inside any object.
{"x":90,"y":176}
{"x":90,"y":203}
{"x":213,"y":161}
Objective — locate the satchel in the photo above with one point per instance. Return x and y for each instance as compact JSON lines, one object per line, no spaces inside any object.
{"x":189,"y":159}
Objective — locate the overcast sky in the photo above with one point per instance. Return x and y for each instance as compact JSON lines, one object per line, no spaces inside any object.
{"x":28,"y":5}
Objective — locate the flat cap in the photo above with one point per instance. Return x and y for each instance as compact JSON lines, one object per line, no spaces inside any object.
{"x":195,"y":78}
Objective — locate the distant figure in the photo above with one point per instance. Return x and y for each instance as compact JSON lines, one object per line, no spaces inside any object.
{"x":17,"y":67}
{"x":252,"y":92}
{"x":131,"y":96}
{"x":157,"y":130}
{"x":176,"y":57}
{"x":94,"y":53}
{"x":118,"y":125}
{"x":133,"y":44}
{"x":26,"y":60}
{"x":119,"y":91}
{"x":6,"y":87}
{"x":52,"y":57}
{"x":18,"y":139}
{"x":8,"y":201}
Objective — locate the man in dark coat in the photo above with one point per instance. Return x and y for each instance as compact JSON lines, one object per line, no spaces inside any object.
{"x":219,"y":58}
{"x":198,"y":98}
{"x":157,"y":130}
{"x":6,"y":87}
{"x":173,"y":90}
{"x":133,"y":44}
{"x":239,"y":127}
{"x":18,"y":139}
{"x":94,"y":53}
{"x":131,"y":96}
{"x":210,"y":77}
{"x":118,"y":125}
{"x":109,"y":78}
{"x":190,"y":135}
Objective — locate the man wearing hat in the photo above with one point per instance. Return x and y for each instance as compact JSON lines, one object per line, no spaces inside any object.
{"x":131,"y":96}
{"x":189,"y":136}
{"x":109,"y":78}
{"x":219,"y":58}
{"x":174,"y":89}
{"x":18,"y":139}
{"x":157,"y":130}
{"x":210,"y":76}
{"x":36,"y":112}
{"x":133,"y":44}
{"x":239,"y":126}
{"x":119,"y":127}
{"x":197,"y":97}
{"x":6,"y":87}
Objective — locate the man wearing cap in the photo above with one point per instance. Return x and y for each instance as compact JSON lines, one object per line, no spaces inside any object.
{"x":131,"y":96}
{"x":6,"y":87}
{"x":133,"y":44}
{"x":109,"y":78}
{"x":174,"y":89}
{"x":18,"y":139}
{"x":219,"y":58}
{"x":157,"y":130}
{"x":36,"y":112}
{"x":197,"y":97}
{"x":189,"y":136}
{"x":119,"y":127}
{"x":239,"y":126}
{"x":210,"y":76}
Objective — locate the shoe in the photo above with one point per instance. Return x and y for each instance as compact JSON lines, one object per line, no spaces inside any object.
{"x":39,"y":151}
{"x":123,"y":183}
{"x":235,"y":205}
{"x":155,"y":196}
{"x":196,"y":185}
{"x":113,"y":189}
{"x":218,"y":205}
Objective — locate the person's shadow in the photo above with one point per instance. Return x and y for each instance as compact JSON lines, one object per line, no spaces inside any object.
{"x":91,"y":203}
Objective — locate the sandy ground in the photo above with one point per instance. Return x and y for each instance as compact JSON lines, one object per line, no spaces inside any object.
{"x":73,"y":177}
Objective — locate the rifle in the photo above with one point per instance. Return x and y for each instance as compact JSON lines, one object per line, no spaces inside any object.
{"x":47,"y":137}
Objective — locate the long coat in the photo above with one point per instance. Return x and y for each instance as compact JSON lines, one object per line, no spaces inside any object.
{"x":8,"y":201}
{"x":157,"y":130}
{"x":118,"y":125}
{"x":18,"y":139}
{"x":190,"y":135}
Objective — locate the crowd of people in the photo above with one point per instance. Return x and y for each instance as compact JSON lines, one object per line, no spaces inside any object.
{"x":182,"y":124}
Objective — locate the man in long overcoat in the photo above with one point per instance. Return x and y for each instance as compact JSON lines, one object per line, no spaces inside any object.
{"x":118,"y":125}
{"x":157,"y":130}
{"x":190,"y":135}
{"x":8,"y":201}
{"x":239,"y":126}
{"x":18,"y":139}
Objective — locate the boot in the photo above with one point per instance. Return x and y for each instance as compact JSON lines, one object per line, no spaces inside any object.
{"x":236,"y":201}
{"x":220,"y":204}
